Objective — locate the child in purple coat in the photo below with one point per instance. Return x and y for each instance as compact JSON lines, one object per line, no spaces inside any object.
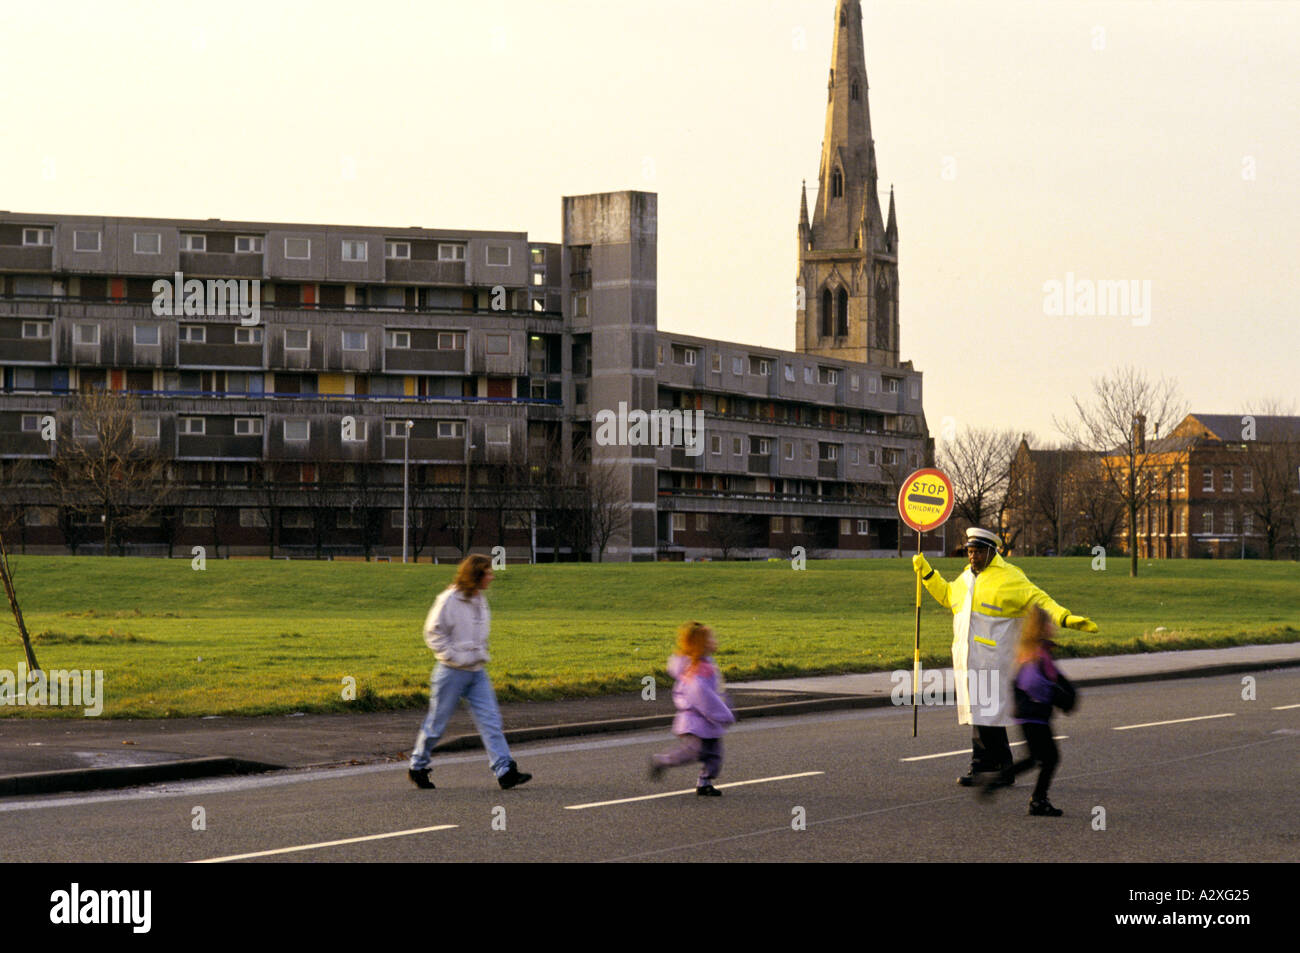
{"x":702,"y":715}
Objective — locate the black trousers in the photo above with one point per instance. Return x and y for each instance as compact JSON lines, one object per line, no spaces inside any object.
{"x":1042,"y":752}
{"x":990,"y":749}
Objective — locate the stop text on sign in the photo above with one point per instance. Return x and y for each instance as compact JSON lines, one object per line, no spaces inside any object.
{"x":925,"y":499}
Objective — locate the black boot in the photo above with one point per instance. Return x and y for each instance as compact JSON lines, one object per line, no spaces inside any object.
{"x":513,"y":777}
{"x":1044,"y":808}
{"x":708,"y":790}
{"x":420,"y":778}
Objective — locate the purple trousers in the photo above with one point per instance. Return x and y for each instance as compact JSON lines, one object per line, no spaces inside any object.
{"x":707,"y":751}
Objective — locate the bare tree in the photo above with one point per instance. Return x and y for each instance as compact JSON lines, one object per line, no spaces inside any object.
{"x":7,"y":580}
{"x":271,"y":493}
{"x":731,"y":531}
{"x":1115,"y":424}
{"x":16,"y":481}
{"x":1271,"y":441}
{"x":101,"y":470}
{"x":608,"y":510}
{"x":978,"y":462}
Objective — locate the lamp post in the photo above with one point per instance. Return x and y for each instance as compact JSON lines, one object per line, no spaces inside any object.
{"x":406,"y":495}
{"x":464,"y":520}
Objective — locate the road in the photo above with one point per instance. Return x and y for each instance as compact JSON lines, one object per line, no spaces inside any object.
{"x":1178,"y":771}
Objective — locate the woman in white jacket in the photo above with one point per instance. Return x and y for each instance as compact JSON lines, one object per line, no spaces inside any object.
{"x":457,"y":631}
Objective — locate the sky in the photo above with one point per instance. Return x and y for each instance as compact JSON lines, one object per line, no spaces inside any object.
{"x":1027,"y":142}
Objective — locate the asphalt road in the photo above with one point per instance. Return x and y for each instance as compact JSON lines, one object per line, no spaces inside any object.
{"x":1218,"y":783}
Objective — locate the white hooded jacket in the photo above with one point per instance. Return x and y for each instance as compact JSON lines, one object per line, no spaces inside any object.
{"x":457,"y":629}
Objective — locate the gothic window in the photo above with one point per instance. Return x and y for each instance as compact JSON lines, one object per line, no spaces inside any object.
{"x":882,"y":314}
{"x":837,"y":184}
{"x":844,"y":18}
{"x":842,"y":314}
{"x":826,"y":313}
{"x":855,"y":91}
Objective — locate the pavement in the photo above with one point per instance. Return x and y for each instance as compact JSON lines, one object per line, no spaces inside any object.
{"x":46,"y":755}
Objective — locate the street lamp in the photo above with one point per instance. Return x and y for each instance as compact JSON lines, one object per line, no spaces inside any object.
{"x":406,"y":496}
{"x":464,"y":524}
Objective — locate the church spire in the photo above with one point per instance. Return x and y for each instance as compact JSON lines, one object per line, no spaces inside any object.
{"x":803,"y":206}
{"x":891,"y":227}
{"x":848,"y":161}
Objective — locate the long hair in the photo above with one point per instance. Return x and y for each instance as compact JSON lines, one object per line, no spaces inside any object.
{"x":469,"y":575}
{"x":1035,"y":635}
{"x":692,"y":641}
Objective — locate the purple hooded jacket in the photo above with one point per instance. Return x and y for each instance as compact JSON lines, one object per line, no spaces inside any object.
{"x":700,"y":709}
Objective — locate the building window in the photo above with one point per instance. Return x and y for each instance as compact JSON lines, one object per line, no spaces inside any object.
{"x":1248,"y":480}
{"x":853,"y":382}
{"x":837,"y":184}
{"x":248,"y":245}
{"x":701,"y":522}
{"x":1227,"y":480}
{"x":864,"y":527}
{"x":855,"y":456}
{"x":39,"y":330}
{"x":738,"y":365}
{"x":297,"y":430}
{"x":916,"y":390}
{"x":789,"y":373}
{"x":498,"y":256}
{"x":86,"y":334}
{"x":295,"y":519}
{"x":539,"y":256}
{"x":788,"y":448}
{"x":715,"y":444}
{"x":846,"y":527}
{"x":25,"y":378}
{"x":144,"y":428}
{"x":831,"y":452}
{"x":38,"y":236}
{"x":871,"y":384}
{"x":192,"y":334}
{"x":581,"y":308}
{"x":760,"y":366}
{"x":398,"y":250}
{"x":148,"y":243}
{"x":451,"y":341}
{"x":807,"y":451}
{"x":828,"y":375}
{"x":297,"y":339}
{"x":1228,"y":523}
{"x":354,"y":250}
{"x":195,"y":516}
{"x":248,"y":335}
{"x":250,"y":518}
{"x":298,"y":249}
{"x":358,"y":433}
{"x":807,"y":375}
{"x":737,"y":446}
{"x":85,"y":241}
{"x":796,"y":524}
{"x":395,"y":429}
{"x":891,"y":385}
{"x":498,"y":344}
{"x":762,"y":446}
{"x":398,"y":340}
{"x":690,"y":357}
{"x":778,"y":524}
{"x":659,"y":354}
{"x":679,"y":522}
{"x":1207,"y":522}
{"x":31,"y":423}
{"x":354,"y":340}
{"x":1207,"y":479}
{"x":146,"y":334}
{"x":191,"y":242}
{"x":1247,"y":524}
{"x":248,"y":426}
{"x":451,"y":253}
{"x":192,"y":426}
{"x":451,"y":429}
{"x":497,"y":434}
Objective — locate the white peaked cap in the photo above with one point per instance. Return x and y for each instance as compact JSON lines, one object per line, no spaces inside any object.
{"x":983,"y":537}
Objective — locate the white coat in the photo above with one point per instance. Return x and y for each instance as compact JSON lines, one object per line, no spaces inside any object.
{"x":457,"y":629}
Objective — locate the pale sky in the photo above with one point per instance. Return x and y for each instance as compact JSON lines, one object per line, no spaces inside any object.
{"x":1025,"y":140}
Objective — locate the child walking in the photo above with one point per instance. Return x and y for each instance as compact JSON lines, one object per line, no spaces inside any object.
{"x":1036,"y":693}
{"x":702,"y":714}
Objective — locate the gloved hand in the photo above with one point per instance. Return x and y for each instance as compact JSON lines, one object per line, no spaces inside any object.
{"x":1081,"y":623}
{"x":920,"y":565}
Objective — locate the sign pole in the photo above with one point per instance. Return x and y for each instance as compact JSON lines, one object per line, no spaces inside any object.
{"x":916,"y":644}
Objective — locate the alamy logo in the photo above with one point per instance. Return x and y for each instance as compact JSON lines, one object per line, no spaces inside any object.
{"x":181,"y":297}
{"x":79,"y":689}
{"x":74,"y":906}
{"x":655,"y":428}
{"x":939,"y":687}
{"x":1087,"y":298}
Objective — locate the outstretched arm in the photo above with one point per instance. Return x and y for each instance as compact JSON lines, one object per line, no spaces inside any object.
{"x":1030,"y":595}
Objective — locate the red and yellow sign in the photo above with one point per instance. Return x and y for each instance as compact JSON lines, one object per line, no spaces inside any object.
{"x":925,"y":499}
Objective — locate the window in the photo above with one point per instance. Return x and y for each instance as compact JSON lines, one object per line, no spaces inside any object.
{"x":357,"y":433}
{"x":146,"y":334}
{"x":248,"y":426}
{"x":846,"y":527}
{"x":715,"y":363}
{"x":762,"y":445}
{"x":295,"y":519}
{"x":864,"y":527}
{"x":451,"y":253}
{"x":192,"y":242}
{"x":581,"y":308}
{"x":1228,"y":523}
{"x":354,"y":340}
{"x":297,"y":339}
{"x":31,"y":423}
{"x":297,"y":429}
{"x":354,"y":251}
{"x":397,"y":339}
{"x":760,"y":366}
{"x":831,"y":452}
{"x":1207,"y":522}
{"x":451,"y":341}
{"x":451,"y":429}
{"x":398,"y":250}
{"x":85,"y":241}
{"x":498,"y":256}
{"x":891,"y":457}
{"x":25,"y":378}
{"x":871,"y":384}
{"x":148,"y":243}
{"x":497,"y":434}
{"x":796,"y":524}
{"x":855,"y":456}
{"x":807,"y":451}
{"x":539,"y":279}
{"x":192,"y":426}
{"x":1227,"y":482}
{"x":891,"y":385}
{"x":778,"y":524}
{"x":196,"y":516}
{"x":789,"y":450}
{"x":659,"y":354}
{"x":248,"y":244}
{"x":251,"y":518}
{"x":853,"y":382}
{"x":789,"y":372}
{"x":86,"y":334}
{"x":498,"y":344}
{"x":1248,"y":524}
{"x":738,"y":365}
{"x":248,"y":335}
{"x":395,"y":429}
{"x":297,"y":248}
{"x":679,"y":522}
{"x":915,"y":387}
{"x":1207,"y":480}
{"x":192,"y":334}
{"x":828,"y":375}
{"x":737,"y":446}
{"x":36,"y":329}
{"x":715,"y":444}
{"x":701,"y":521}
{"x":1248,"y":480}
{"x":38,"y":236}
{"x":690,"y":358}
{"x":807,"y":375}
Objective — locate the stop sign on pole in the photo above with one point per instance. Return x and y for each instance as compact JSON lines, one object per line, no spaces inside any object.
{"x":924,"y":503}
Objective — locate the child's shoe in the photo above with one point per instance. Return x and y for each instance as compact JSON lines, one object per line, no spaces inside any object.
{"x":708,"y":790}
{"x":1044,"y":808}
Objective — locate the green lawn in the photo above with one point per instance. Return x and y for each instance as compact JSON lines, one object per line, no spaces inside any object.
{"x":253,"y":636}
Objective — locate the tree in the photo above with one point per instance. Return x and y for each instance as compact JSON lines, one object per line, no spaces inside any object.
{"x":1114,"y":426}
{"x":607,"y":509}
{"x":100,"y":469}
{"x":7,"y":580}
{"x":270,"y":494}
{"x":978,"y":462}
{"x":16,"y":481}
{"x":732,"y":531}
{"x":1272,"y":448}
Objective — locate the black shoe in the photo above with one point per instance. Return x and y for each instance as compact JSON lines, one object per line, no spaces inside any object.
{"x":656,"y":771}
{"x":708,"y":790}
{"x":513,"y":777}
{"x":420,"y":779}
{"x":1044,"y":808}
{"x":1002,"y":779}
{"x":969,"y":779}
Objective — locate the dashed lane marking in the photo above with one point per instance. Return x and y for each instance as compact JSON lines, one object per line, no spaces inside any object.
{"x":1175,"y":721}
{"x":652,"y":797}
{"x":328,"y":843}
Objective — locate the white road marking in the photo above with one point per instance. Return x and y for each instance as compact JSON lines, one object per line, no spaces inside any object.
{"x":949,"y":754}
{"x":1284,"y":707}
{"x":1175,"y":721}
{"x":652,"y":797}
{"x":328,"y":843}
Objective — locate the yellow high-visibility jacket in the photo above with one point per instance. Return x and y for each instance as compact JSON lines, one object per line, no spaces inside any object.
{"x":988,"y":610}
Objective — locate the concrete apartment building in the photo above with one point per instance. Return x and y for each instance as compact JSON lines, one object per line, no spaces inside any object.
{"x":287,"y":433}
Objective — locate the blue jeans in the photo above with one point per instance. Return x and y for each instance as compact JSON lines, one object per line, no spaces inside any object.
{"x":447,"y":686}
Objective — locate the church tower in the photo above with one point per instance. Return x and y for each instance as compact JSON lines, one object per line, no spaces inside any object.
{"x":848,"y":253}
